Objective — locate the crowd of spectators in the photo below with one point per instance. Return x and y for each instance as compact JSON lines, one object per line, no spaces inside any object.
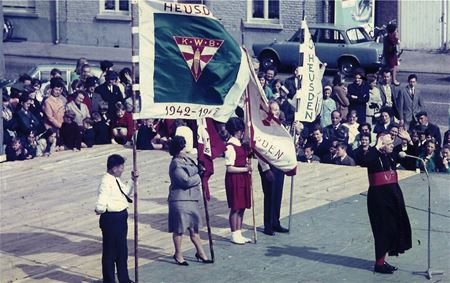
{"x":41,"y":118}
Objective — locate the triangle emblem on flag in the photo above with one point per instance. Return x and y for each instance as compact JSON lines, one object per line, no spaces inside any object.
{"x":197,"y":52}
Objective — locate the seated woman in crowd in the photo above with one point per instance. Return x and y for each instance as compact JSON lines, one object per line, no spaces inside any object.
{"x":352,"y":126}
{"x":148,"y":138}
{"x":25,"y":119}
{"x":70,"y":132}
{"x":78,"y":107}
{"x":46,"y":143}
{"x":184,"y":198}
{"x":15,"y":150}
{"x":444,"y":165}
{"x":122,"y":127}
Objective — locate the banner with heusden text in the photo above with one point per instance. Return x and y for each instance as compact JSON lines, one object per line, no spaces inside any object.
{"x":190,"y":67}
{"x":271,"y":142}
{"x":309,"y":96}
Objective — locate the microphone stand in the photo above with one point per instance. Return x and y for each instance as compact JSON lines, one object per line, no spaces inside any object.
{"x":428,"y":273}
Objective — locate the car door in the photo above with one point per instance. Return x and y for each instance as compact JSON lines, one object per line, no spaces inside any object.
{"x":330,"y":46}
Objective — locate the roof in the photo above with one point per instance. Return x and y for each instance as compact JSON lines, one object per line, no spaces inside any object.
{"x":333,"y":26}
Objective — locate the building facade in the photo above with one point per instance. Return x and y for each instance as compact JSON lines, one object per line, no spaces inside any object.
{"x":107,"y":23}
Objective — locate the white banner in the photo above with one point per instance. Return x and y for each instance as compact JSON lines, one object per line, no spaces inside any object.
{"x":271,"y":141}
{"x":309,"y":96}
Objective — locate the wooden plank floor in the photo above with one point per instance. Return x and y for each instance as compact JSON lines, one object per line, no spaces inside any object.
{"x":49,"y":231}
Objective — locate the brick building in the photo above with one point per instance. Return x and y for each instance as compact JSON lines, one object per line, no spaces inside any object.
{"x":106,"y":23}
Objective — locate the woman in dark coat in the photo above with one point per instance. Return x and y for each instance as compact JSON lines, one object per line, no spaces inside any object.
{"x":184,"y":197}
{"x":386,"y":206}
{"x":390,"y":43}
{"x":358,"y":95}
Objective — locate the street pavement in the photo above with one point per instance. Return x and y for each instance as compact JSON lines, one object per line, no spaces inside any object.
{"x":331,"y":243}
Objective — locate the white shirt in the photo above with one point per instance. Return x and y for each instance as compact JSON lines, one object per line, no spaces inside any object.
{"x":352,"y":131}
{"x":110,"y":198}
{"x":230,"y":153}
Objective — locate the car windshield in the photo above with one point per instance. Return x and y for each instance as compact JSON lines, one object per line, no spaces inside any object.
{"x":358,"y":35}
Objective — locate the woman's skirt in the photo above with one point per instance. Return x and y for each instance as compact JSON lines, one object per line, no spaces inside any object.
{"x":184,"y":215}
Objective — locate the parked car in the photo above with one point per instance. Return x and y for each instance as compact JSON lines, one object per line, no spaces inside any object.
{"x":342,"y":48}
{"x":42,"y":72}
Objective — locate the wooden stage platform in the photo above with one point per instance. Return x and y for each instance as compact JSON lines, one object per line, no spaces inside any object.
{"x":50,"y":233}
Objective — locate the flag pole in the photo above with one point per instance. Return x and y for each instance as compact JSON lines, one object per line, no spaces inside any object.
{"x":205,"y":203}
{"x":291,"y":195}
{"x":247,"y":106}
{"x":135,"y":87}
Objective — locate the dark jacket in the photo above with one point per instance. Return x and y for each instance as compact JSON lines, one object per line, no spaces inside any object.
{"x":70,"y":135}
{"x":28,"y":122}
{"x":347,"y":161}
{"x":289,"y":83}
{"x":110,"y":97}
{"x":359,"y":104}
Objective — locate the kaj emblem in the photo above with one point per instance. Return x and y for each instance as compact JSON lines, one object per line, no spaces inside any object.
{"x":197,"y":52}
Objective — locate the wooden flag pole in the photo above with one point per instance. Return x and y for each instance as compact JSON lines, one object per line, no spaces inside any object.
{"x":247,"y":106}
{"x":134,"y":61}
{"x":205,"y":203}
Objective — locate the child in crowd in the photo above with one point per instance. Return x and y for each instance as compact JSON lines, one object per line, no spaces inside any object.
{"x":30,"y":145}
{"x":46,"y":144}
{"x":88,"y":138}
{"x":102,"y":133}
{"x":15,"y":150}
{"x":328,"y":106}
{"x":148,"y":138}
{"x":237,"y":179}
{"x":122,"y":126}
{"x":309,"y":156}
{"x":70,"y":132}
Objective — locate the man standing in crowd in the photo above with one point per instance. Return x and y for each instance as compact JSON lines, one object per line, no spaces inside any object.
{"x":389,"y":94}
{"x":294,"y":83}
{"x":432,"y":129}
{"x":112,"y":204}
{"x":411,"y":103}
{"x":110,"y":92}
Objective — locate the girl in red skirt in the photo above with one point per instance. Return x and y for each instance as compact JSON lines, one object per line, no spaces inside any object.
{"x":237,"y":179}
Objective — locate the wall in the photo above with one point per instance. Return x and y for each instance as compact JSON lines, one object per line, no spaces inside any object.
{"x":290,"y":16}
{"x":385,"y":11}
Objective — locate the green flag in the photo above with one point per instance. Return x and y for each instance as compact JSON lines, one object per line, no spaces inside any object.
{"x":190,"y":67}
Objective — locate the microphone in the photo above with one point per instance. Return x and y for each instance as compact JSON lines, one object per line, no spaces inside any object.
{"x":403,"y":154}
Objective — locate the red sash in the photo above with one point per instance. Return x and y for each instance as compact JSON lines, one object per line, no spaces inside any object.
{"x":383,"y":178}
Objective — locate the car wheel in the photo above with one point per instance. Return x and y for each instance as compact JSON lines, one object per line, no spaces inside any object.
{"x":268,"y":59}
{"x":347,"y":66}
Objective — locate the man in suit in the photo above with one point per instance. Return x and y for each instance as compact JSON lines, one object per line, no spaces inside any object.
{"x":341,"y":156}
{"x":309,"y":156}
{"x":430,"y":128}
{"x":336,"y":128}
{"x":293,"y":83}
{"x":411,"y":102}
{"x":110,"y":92}
{"x":320,"y":144}
{"x":389,"y":94}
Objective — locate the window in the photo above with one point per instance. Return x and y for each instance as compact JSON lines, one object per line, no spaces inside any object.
{"x":115,"y":7}
{"x":331,"y":36}
{"x":357,"y":35}
{"x":263,"y":11}
{"x":23,"y":6}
